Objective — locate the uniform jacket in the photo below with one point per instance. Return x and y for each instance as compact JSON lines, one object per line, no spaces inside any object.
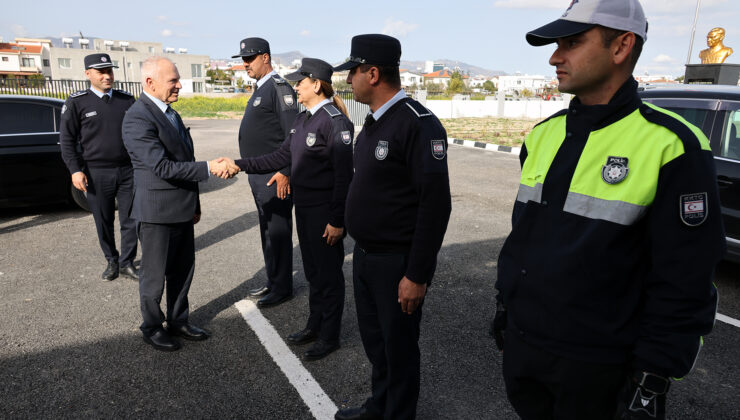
{"x":318,"y":151}
{"x":616,"y":233}
{"x":166,"y":175}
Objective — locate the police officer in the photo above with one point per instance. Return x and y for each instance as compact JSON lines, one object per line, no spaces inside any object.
{"x":398,"y":207}
{"x":92,"y":149}
{"x":319,"y":152}
{"x":605,"y":282}
{"x":266,"y":122}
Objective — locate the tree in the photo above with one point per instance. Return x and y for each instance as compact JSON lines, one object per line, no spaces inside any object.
{"x":489,"y":86}
{"x":456,"y":84}
{"x":680,"y":79}
{"x":218,"y":74}
{"x":526,"y":93}
{"x":240,"y":83}
{"x":341,"y":86}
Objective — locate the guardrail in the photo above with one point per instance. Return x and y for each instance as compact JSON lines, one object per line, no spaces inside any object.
{"x":57,"y":88}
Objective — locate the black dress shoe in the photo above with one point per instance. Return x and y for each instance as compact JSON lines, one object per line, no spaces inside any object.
{"x":259,"y":292}
{"x":111,"y":272}
{"x":130,"y":271}
{"x":160,"y":340}
{"x":273,"y":299}
{"x":303,"y":336}
{"x":188,"y":332}
{"x":320,"y":350}
{"x":357,"y":413}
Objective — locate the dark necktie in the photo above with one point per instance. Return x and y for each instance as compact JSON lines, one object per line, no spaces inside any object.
{"x":369,"y":120}
{"x":308,"y":114}
{"x":106,"y":98}
{"x":171,"y":115}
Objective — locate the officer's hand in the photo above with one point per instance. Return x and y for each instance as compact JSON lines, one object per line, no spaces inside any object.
{"x":283,"y":184}
{"x":79,"y":180}
{"x":410,"y":295}
{"x":196,"y":218}
{"x":332,"y":234}
{"x":498,"y":326}
{"x":646,"y":401}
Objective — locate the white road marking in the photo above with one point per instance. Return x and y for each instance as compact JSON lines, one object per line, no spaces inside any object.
{"x":726,"y":319}
{"x":321,"y":406}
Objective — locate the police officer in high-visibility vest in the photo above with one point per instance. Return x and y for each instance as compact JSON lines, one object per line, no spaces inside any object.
{"x":92,"y":148}
{"x":605,"y":282}
{"x":318,"y":150}
{"x":398,"y":207}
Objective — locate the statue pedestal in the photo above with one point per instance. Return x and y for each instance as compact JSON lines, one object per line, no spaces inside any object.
{"x":713,"y":74}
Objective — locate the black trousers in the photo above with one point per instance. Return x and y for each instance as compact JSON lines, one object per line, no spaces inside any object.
{"x":390,"y":337}
{"x":167,"y":258}
{"x":541,"y":385}
{"x":104,"y":186}
{"x":322,"y":265}
{"x":276,"y":232}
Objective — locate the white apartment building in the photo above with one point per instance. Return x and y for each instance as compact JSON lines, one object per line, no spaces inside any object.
{"x":514,"y":85}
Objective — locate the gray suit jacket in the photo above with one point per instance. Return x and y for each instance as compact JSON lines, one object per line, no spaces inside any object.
{"x":165,"y":172}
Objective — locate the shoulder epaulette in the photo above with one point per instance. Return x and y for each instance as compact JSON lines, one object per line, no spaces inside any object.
{"x":79,"y":93}
{"x":127,"y":93}
{"x":332,"y":110}
{"x":279,"y":80}
{"x":418,"y":109}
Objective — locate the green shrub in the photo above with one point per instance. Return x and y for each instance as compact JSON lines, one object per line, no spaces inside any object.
{"x":205,"y":107}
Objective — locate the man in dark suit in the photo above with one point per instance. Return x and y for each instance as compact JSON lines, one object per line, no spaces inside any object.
{"x":166,"y":203}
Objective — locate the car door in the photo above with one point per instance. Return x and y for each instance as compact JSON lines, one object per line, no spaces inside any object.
{"x":31,"y":168}
{"x":727,"y":160}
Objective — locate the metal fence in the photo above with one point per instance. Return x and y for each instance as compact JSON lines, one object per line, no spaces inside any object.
{"x":57,"y":88}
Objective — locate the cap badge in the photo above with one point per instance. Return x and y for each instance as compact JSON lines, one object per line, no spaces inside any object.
{"x":438,"y":149}
{"x":103,"y":59}
{"x":381,"y":152}
{"x":310,"y":139}
{"x":243,"y":45}
{"x":694,"y":208}
{"x":615,"y":170}
{"x":257,"y":101}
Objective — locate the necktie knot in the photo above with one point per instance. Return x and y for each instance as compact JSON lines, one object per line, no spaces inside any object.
{"x":369,"y":120}
{"x":106,"y":98}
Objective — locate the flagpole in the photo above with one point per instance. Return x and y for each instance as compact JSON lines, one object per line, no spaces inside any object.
{"x":693,"y":32}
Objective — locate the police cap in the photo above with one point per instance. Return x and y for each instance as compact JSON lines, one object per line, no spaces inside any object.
{"x":98,"y":61}
{"x":252,"y":46}
{"x":376,"y":49}
{"x":313,"y":68}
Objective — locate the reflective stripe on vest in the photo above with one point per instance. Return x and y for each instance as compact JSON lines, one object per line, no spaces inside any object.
{"x":646,"y":146}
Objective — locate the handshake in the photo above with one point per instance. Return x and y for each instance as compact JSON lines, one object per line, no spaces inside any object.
{"x":223,"y":167}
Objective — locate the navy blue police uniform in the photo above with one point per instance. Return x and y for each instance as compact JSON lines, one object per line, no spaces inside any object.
{"x":398,"y":207}
{"x":319,"y":153}
{"x":91,"y":142}
{"x":267,"y":120}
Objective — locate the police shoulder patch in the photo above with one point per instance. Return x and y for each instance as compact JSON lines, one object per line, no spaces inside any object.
{"x":288,"y":99}
{"x":418,"y":109}
{"x":346,"y":137}
{"x":79,"y":93}
{"x":332,"y":110}
{"x":694,"y":208}
{"x":438,"y":149}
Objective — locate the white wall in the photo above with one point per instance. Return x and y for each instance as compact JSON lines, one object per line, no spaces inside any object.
{"x":12,"y":64}
{"x":538,"y":109}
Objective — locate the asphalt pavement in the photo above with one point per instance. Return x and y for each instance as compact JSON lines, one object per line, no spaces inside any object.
{"x":70,"y":346}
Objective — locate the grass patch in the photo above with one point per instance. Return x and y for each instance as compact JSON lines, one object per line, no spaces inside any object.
{"x":501,"y":131}
{"x":204,"y":107}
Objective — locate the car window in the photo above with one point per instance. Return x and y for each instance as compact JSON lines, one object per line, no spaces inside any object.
{"x":19,"y":118}
{"x":695,"y":116}
{"x":730,"y":145}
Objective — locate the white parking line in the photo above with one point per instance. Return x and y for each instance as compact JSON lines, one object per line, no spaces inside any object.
{"x":321,"y":406}
{"x":728,"y":320}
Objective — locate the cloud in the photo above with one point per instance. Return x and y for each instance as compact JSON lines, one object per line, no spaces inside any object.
{"x":161,"y":18}
{"x":663,"y":58}
{"x":531,"y":4}
{"x":18,"y":30}
{"x":305,"y":32}
{"x":673,"y":7}
{"x":398,"y":27}
{"x":166,"y":32}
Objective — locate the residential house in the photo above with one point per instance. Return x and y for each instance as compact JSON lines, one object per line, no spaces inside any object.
{"x":20,"y":61}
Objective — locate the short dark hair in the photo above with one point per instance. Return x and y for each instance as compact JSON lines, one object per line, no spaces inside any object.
{"x":608,"y":35}
{"x":388,"y":74}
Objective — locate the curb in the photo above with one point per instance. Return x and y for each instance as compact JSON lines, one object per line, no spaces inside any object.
{"x":485,"y":146}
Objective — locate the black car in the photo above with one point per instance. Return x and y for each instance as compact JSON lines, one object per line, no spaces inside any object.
{"x":31,"y":167}
{"x":716,"y":110}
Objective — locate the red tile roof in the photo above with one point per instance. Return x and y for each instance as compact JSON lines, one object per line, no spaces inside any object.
{"x":238,"y":67}
{"x":9,"y":47}
{"x":442,"y":74}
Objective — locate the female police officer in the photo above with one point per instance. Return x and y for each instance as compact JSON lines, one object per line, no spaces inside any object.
{"x":319,"y":151}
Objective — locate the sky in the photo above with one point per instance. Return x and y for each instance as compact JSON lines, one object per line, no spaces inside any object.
{"x":485,"y":33}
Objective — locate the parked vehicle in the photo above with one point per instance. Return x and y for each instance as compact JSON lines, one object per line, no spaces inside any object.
{"x":31,"y":167}
{"x":716,"y":110}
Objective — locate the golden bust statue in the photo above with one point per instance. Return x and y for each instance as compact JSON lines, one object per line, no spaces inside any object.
{"x":716,"y":53}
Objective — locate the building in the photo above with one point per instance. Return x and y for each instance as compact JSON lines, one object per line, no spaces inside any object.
{"x":411,"y":79}
{"x":431,"y":66}
{"x":20,"y":61}
{"x":442,"y":77}
{"x":66,"y":62}
{"x":516,"y":84}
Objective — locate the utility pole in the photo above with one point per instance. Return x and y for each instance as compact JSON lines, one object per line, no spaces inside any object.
{"x":693,"y":31}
